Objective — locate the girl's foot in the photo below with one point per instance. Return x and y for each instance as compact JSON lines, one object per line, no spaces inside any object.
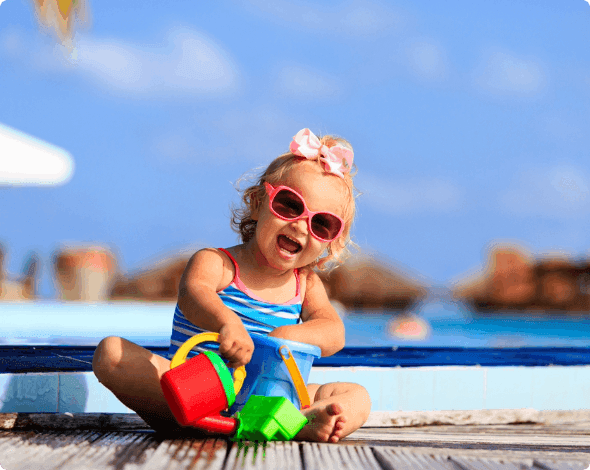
{"x":325,"y":423}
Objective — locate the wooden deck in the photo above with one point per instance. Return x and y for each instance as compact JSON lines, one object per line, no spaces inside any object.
{"x":41,"y":441}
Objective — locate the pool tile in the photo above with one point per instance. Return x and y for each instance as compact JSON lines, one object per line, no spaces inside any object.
{"x":387,"y":397}
{"x":73,"y":393}
{"x":459,"y":388}
{"x":561,"y":388}
{"x":316,"y":375}
{"x":416,"y":389}
{"x":28,"y":393}
{"x":374,"y":383}
{"x":82,"y":392}
{"x":509,"y":388}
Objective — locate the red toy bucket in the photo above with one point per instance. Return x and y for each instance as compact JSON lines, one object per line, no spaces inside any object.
{"x":198,"y":389}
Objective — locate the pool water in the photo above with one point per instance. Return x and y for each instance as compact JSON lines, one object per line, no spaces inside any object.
{"x":444,"y":322}
{"x":451,"y":323}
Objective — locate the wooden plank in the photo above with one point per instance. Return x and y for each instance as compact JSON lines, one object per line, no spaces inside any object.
{"x":576,"y":422}
{"x":391,"y":459}
{"x":492,"y":464}
{"x":124,"y":442}
{"x":73,"y":421}
{"x":464,"y":436}
{"x":147,"y":451}
{"x":90,"y":450}
{"x":542,"y":460}
{"x":99,"y":453}
{"x":264,"y":456}
{"x":45,"y":450}
{"x":331,"y":456}
{"x":180,"y":454}
{"x":578,"y":419}
{"x":560,"y":465}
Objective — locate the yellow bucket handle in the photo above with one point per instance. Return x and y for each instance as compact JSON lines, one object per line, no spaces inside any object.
{"x":298,"y":381}
{"x":180,"y":356}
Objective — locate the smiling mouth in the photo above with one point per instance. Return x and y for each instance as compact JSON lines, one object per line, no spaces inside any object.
{"x":287,"y":244}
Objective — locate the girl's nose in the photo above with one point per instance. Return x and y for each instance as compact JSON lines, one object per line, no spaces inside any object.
{"x":301,"y":225}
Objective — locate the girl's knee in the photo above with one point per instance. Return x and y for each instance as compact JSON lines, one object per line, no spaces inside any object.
{"x":357,"y":392}
{"x":107,"y":356}
{"x":335,"y":388}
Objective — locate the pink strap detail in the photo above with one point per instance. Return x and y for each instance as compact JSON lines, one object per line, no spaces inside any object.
{"x":241,"y":286}
{"x":336,"y":159}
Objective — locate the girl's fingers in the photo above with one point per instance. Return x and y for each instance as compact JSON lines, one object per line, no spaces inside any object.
{"x":241,"y":358}
{"x":236,"y":355}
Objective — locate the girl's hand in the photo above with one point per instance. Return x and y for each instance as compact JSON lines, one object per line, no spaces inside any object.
{"x":235,"y":344}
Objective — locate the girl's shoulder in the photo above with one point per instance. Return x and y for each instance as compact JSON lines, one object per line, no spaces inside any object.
{"x":308,"y":279}
{"x":210,"y":255}
{"x":217,"y":262}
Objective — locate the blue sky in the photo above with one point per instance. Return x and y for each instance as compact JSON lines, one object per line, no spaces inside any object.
{"x":469,"y":121}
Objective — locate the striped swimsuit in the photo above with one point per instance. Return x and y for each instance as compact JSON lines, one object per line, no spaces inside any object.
{"x":257,"y":315}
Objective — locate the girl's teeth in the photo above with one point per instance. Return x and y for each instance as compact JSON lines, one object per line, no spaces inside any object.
{"x":288,"y":245}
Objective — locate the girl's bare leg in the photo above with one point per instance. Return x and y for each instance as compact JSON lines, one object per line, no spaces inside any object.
{"x":133,"y":374}
{"x":337,"y":410}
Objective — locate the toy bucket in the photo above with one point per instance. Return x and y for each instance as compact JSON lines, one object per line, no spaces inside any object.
{"x":197,"y":390}
{"x":278,"y":368}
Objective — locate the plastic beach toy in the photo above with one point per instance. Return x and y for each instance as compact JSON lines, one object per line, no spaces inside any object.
{"x":269,"y":419}
{"x":278,"y":368}
{"x":197,"y":390}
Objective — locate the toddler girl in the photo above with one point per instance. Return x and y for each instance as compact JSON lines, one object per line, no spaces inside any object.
{"x":296,"y":217}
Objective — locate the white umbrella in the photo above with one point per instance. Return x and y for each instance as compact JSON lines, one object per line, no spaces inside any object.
{"x":28,"y":161}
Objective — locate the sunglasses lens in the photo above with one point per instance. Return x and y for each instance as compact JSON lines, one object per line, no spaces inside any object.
{"x":287,"y":204}
{"x":325,"y":226}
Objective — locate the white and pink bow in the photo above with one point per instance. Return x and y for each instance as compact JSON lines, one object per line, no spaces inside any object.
{"x":336,"y":159}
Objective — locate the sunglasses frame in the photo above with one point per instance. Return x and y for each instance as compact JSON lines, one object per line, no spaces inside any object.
{"x":272,"y":191}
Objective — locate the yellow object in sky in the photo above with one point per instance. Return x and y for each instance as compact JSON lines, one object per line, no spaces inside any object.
{"x":60,"y":15}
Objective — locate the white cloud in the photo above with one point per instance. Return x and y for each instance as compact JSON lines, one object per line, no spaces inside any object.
{"x":503,"y":73}
{"x":192,"y":63}
{"x":304,"y":83}
{"x":349,"y":18}
{"x":116,"y":64}
{"x":28,"y":161}
{"x":427,"y":60}
{"x":413,"y":195}
{"x":185,"y":63}
{"x":558,"y":192}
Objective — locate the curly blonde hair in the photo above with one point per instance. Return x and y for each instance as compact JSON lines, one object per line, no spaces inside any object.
{"x":242,"y":222}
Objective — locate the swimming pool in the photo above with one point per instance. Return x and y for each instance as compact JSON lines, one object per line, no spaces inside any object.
{"x":452,"y":324}
{"x":440,"y":372}
{"x":448,"y":324}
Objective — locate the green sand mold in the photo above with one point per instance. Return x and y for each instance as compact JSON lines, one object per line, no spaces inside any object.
{"x":269,"y":419}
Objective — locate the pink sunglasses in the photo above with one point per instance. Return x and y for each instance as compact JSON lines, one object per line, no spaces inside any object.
{"x":287,"y":204}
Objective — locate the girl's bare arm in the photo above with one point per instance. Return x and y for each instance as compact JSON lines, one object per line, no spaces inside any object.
{"x":321,"y":325}
{"x":203,"y":277}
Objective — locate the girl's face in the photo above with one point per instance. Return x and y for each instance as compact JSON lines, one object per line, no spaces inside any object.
{"x":286,"y":245}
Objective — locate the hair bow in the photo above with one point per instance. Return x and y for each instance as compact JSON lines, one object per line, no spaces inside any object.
{"x":336,"y":159}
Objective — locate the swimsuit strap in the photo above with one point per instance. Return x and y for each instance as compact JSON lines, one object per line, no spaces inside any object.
{"x":240,"y":285}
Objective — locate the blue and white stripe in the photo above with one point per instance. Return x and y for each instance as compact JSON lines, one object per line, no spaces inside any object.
{"x":258,"y":316}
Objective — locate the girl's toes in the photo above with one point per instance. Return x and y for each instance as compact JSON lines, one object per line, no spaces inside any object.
{"x":334,"y":409}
